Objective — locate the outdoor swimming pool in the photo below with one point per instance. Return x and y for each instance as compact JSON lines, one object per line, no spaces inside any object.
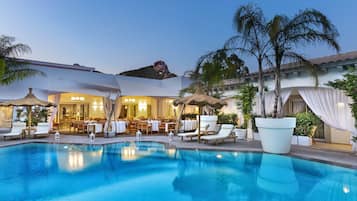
{"x":149,"y":171}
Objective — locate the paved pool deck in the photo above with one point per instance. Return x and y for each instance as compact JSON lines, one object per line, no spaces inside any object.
{"x":340,"y":158}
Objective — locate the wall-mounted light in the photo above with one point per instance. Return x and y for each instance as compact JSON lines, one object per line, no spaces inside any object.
{"x":129,"y":100}
{"x":77,"y":98}
{"x":340,"y":105}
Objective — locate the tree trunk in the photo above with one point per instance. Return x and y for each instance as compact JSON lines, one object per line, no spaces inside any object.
{"x":277,"y":99}
{"x":261,"y":89}
{"x":199,"y":123}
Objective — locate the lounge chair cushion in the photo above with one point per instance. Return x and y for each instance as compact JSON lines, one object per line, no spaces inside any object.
{"x":224,"y":132}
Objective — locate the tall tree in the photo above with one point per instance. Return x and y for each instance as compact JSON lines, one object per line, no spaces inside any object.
{"x":212,"y":69}
{"x":285,"y":34}
{"x":251,"y":40}
{"x":10,"y":68}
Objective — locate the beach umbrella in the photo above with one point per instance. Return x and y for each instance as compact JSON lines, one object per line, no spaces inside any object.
{"x":28,"y":101}
{"x":200,"y":99}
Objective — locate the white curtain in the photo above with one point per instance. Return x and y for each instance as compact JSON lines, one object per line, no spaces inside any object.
{"x":298,"y":106}
{"x":331,"y":105}
{"x":54,"y":110}
{"x":109,"y":105}
{"x":118,"y":105}
{"x":269,"y":101}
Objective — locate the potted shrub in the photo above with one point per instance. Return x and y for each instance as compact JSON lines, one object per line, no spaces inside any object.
{"x":245,"y":103}
{"x":305,"y":122}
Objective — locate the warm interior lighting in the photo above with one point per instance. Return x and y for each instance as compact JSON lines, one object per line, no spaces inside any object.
{"x":97,"y":105}
{"x":171,"y":152}
{"x":75,"y":160}
{"x":142,"y":106}
{"x":128,"y":153}
{"x":131,"y":100}
{"x":77,"y":98}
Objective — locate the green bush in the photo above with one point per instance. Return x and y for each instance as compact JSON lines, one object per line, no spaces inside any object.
{"x":245,"y":101}
{"x":227,"y":119}
{"x":305,"y":121}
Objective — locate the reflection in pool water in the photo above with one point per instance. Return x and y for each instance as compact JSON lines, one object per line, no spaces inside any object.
{"x":151,"y":171}
{"x":276,"y":174}
{"x":77,"y":158}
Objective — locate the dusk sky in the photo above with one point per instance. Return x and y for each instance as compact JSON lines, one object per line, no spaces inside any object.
{"x":114,"y":36}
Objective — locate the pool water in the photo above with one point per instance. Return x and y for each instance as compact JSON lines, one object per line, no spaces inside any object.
{"x":148,"y":171}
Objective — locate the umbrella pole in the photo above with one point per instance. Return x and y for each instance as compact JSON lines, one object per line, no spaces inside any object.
{"x":199,"y":124}
{"x":29,"y":119}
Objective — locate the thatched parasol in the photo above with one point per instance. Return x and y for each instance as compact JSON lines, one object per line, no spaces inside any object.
{"x":28,"y":101}
{"x":199,"y":99}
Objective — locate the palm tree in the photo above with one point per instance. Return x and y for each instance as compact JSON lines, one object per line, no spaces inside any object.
{"x":285,"y":34}
{"x":252,"y":40}
{"x":10,"y":68}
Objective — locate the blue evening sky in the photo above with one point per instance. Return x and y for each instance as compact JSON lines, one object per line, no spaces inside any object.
{"x":117,"y":35}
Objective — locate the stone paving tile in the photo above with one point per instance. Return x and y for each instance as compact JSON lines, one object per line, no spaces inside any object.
{"x":327,"y":156}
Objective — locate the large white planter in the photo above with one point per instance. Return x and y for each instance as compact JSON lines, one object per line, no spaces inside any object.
{"x":276,"y":174}
{"x":211,"y":120}
{"x":276,"y":134}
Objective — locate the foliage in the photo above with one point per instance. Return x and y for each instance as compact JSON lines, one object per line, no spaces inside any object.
{"x":212,"y":69}
{"x":349,"y":86}
{"x":305,"y":121}
{"x":10,"y":68}
{"x":285,"y":34}
{"x":246,"y":101}
{"x":251,"y":40}
{"x":354,"y":139}
{"x":274,"y":41}
{"x":38,"y":115}
{"x":227,"y":119}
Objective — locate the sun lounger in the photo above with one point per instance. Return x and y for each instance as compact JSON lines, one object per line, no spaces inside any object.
{"x":42,"y":130}
{"x":193,"y":134}
{"x":16,"y":131}
{"x":224,"y":133}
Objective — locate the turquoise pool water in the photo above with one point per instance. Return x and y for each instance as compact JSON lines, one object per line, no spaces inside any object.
{"x":149,"y":171}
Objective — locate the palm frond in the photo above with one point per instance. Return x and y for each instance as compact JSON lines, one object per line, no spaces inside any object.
{"x":19,"y":74}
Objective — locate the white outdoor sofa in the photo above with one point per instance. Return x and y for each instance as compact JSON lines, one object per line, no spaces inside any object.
{"x":16,"y":131}
{"x":226,"y":132}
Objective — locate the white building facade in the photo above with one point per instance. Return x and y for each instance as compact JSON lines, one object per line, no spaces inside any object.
{"x":301,"y":91}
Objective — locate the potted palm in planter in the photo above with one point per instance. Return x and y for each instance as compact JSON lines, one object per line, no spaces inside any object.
{"x":285,"y":33}
{"x":245,"y":103}
{"x":273,"y":43}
